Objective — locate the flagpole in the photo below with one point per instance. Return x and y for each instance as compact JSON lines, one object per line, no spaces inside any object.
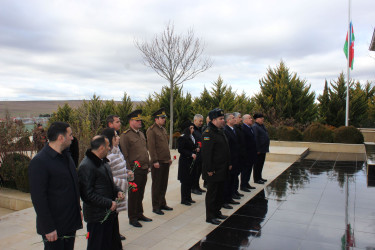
{"x":347,"y":88}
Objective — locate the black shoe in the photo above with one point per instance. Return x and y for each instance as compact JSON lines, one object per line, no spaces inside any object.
{"x":201,"y":190}
{"x":196,"y":191}
{"x":259,"y":182}
{"x":236,"y":197}
{"x":239,"y":194}
{"x":158,"y":211}
{"x":166,"y":208}
{"x":222,"y":217}
{"x":135,"y":223}
{"x":245,"y":190}
{"x":227,"y":206}
{"x":250,"y":187}
{"x":122,"y":237}
{"x":213,"y":221}
{"x":144,"y":218}
{"x":264,"y":180}
{"x":186,"y":203}
{"x":233,"y":202}
{"x":191,"y":201}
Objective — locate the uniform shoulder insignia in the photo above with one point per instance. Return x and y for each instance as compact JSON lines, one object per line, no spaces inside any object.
{"x":126,"y":131}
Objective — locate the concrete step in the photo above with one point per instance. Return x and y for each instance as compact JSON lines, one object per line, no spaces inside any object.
{"x":286,"y":154}
{"x":14,"y":199}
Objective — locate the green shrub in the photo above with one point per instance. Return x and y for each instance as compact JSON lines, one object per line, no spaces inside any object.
{"x":317,"y":132}
{"x":24,"y":143}
{"x":14,"y":170}
{"x":272,"y":132}
{"x":285,"y":133}
{"x":348,"y":134}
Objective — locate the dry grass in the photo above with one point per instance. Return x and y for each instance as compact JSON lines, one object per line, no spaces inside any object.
{"x":34,"y":108}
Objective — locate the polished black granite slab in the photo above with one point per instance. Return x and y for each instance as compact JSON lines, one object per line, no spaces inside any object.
{"x":325,"y":201}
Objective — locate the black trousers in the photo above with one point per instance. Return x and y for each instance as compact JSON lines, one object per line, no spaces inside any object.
{"x":258,"y":167}
{"x":104,"y":236}
{"x":159,"y":185}
{"x":197,"y":174}
{"x":214,"y":199}
{"x":60,"y":244}
{"x":135,"y":199}
{"x":246,"y":174}
{"x":186,"y":191}
{"x":236,"y":182}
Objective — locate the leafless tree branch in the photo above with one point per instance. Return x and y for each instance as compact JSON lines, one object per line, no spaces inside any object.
{"x":176,"y":58}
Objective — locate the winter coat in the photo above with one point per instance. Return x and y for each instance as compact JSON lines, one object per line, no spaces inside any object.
{"x":118,"y":167}
{"x":261,"y":138}
{"x":97,"y":187}
{"x":215,"y":154}
{"x":186,"y":148}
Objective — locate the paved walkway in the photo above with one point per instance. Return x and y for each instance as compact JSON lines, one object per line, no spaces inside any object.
{"x":177,"y":229}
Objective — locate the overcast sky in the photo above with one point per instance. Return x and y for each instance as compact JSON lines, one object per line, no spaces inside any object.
{"x":71,"y":49}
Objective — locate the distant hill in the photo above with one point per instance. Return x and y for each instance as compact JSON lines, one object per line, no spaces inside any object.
{"x":34,"y":108}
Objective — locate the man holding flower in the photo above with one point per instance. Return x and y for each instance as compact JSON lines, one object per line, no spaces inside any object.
{"x":99,"y":195}
{"x":134,"y":149}
{"x":54,"y":190}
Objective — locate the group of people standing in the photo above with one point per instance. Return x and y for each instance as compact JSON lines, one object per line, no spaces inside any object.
{"x":111,"y":178}
{"x":229,"y":149}
{"x":113,"y":174}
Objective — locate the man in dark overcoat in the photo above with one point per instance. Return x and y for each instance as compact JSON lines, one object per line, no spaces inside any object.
{"x":234,"y":147}
{"x":262,"y":143}
{"x":251,"y":152}
{"x":215,"y":166}
{"x":198,"y":123}
{"x":54,"y":190}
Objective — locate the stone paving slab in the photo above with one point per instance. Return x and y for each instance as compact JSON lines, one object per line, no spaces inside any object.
{"x":177,"y":229}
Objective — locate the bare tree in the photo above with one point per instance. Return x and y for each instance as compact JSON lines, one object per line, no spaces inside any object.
{"x":176,"y":58}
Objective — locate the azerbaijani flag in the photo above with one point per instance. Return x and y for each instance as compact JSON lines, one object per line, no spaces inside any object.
{"x":350,"y":43}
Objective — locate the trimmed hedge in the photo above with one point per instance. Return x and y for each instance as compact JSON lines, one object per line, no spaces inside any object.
{"x":348,"y":134}
{"x":285,"y":133}
{"x":317,"y":132}
{"x":14,"y":170}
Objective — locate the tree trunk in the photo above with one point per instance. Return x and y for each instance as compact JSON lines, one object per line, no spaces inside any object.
{"x":171,"y":117}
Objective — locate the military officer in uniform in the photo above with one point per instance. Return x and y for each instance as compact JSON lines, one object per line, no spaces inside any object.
{"x":216,"y":165}
{"x":134,"y":148}
{"x":158,"y":147}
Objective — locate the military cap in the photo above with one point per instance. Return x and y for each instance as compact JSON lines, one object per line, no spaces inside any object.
{"x":160,"y":113}
{"x":258,"y":115}
{"x":135,"y":115}
{"x":215,"y":113}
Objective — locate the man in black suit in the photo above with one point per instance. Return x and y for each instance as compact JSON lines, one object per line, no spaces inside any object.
{"x":198,"y":122}
{"x":54,"y":190}
{"x":242,"y":152}
{"x":263,"y":143}
{"x":234,"y":146}
{"x":250,"y":152}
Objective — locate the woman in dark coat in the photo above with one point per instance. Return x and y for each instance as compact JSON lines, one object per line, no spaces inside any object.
{"x":187,"y":148}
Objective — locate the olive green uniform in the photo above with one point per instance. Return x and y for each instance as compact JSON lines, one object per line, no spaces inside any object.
{"x":157,"y":142}
{"x":134,"y":148}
